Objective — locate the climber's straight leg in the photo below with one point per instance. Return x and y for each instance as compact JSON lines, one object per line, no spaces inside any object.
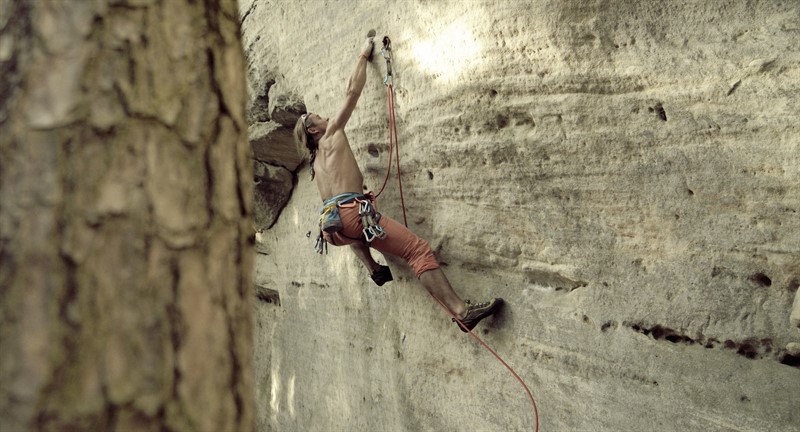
{"x":437,"y":284}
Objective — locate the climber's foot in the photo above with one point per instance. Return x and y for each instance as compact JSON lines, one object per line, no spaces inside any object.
{"x":382,"y":275}
{"x":475,"y":313}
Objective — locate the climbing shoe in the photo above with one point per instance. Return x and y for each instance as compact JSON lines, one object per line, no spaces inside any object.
{"x":382,"y":275}
{"x":475,"y":313}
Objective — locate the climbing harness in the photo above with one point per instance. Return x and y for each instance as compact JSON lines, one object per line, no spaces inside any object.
{"x":386,"y":51}
{"x":330,"y":220}
{"x":393,"y":145}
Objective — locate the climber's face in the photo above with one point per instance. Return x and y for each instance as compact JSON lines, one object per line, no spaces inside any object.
{"x":316,"y":124}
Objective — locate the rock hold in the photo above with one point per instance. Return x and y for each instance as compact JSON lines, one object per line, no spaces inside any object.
{"x":273,"y":143}
{"x":285,"y":108}
{"x":273,"y":187}
{"x":258,"y":107}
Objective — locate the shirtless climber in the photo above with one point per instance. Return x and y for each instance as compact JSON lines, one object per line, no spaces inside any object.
{"x":348,"y":217}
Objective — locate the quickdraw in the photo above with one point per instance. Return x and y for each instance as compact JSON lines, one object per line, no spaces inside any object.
{"x":330,"y":219}
{"x":369,"y":221}
{"x":386,"y":51}
{"x":321,"y":244}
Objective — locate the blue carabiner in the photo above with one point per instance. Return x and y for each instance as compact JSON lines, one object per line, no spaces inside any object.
{"x":379,"y":232}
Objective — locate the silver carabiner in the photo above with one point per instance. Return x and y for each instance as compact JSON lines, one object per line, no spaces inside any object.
{"x":369,"y":234}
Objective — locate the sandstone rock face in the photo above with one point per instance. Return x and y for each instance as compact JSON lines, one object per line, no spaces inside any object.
{"x":625,"y":174}
{"x":285,"y":108}
{"x":258,"y":104}
{"x":795,"y":317}
{"x":272,"y":115}
{"x":273,"y":143}
{"x":273,"y":186}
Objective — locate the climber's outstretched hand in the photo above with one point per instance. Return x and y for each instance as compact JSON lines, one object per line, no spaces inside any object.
{"x":366,"y":49}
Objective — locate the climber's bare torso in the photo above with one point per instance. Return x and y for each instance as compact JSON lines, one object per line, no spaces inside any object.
{"x":336,"y":170}
{"x":335,"y":166}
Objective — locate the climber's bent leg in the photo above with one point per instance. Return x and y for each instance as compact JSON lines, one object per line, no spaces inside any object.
{"x":362,"y":252}
{"x":403,"y":243}
{"x":351,"y":235}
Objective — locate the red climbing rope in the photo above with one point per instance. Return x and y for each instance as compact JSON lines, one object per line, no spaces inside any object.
{"x":393,"y":142}
{"x":393,"y":145}
{"x":525,"y":386}
{"x":397,"y":157}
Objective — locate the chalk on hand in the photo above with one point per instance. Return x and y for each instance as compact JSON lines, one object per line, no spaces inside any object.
{"x":370,"y":36}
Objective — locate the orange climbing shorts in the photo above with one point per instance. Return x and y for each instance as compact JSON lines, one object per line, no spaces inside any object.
{"x":400,"y":241}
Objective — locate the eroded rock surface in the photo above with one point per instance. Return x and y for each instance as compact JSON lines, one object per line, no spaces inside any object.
{"x":624,"y":174}
{"x":273,"y":143}
{"x":284,"y":108}
{"x":273,"y":186}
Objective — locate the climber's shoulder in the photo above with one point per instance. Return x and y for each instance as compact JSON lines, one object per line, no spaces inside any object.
{"x":334,"y":139}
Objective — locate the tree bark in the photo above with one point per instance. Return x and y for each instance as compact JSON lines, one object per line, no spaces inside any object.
{"x":126,"y":232}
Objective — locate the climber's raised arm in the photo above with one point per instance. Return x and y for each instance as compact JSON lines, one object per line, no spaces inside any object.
{"x":355,"y":84}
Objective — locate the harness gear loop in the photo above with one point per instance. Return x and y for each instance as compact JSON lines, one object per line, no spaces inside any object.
{"x":321,"y":244}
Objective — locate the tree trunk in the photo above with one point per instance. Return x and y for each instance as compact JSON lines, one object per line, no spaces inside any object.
{"x":125,"y":217}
